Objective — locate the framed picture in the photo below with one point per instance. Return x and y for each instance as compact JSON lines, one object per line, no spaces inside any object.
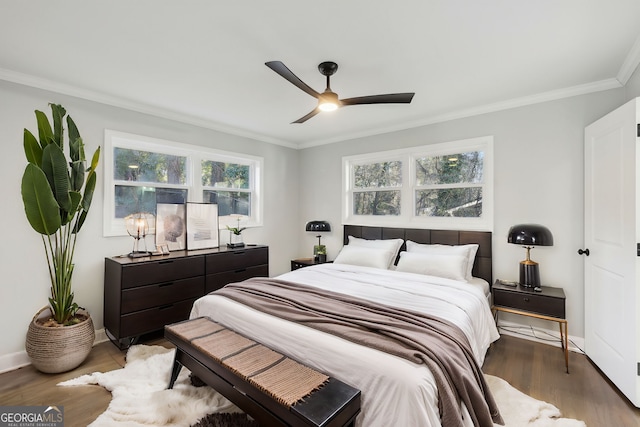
{"x":171,"y":230}
{"x":202,"y":226}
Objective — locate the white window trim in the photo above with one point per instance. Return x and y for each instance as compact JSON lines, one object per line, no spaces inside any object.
{"x":407,"y":217}
{"x":194,"y":153}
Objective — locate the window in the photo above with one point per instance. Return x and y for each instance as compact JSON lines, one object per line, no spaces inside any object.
{"x":439,"y":186}
{"x":141,"y":172}
{"x":377,"y":188}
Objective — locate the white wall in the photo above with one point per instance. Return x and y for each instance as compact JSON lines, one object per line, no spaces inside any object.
{"x":24,"y":285}
{"x":538,"y":174}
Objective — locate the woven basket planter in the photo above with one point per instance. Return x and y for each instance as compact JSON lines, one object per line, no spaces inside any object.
{"x":59,"y":349}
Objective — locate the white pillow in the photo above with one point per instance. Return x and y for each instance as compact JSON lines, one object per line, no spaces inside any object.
{"x":467,"y":250}
{"x":365,"y":257}
{"x":391,"y":245}
{"x":447,"y":266}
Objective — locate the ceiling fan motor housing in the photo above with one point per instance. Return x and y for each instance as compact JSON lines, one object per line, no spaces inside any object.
{"x":328,"y":68}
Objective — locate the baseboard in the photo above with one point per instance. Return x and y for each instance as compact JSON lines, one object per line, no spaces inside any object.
{"x":538,"y":334}
{"x":13,"y":361}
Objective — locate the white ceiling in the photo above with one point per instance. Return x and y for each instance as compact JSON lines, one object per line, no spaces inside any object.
{"x":202,"y":61}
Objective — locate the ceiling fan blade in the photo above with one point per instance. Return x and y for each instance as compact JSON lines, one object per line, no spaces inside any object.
{"x":307,"y":117}
{"x":282,"y":69}
{"x":390,"y":98}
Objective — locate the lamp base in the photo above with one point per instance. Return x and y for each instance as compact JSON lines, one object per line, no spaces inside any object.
{"x":529,"y":274}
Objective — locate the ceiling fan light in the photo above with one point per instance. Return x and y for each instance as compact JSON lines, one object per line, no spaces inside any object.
{"x":328,"y":101}
{"x":328,"y":106}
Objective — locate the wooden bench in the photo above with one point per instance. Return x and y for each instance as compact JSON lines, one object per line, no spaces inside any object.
{"x":245,"y":371}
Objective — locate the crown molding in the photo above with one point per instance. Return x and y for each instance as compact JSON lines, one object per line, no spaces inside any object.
{"x":630,"y":64}
{"x":102,"y":98}
{"x":598,"y":86}
{"x":114,"y":101}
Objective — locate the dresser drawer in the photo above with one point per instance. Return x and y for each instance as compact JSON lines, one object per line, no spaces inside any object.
{"x":218,"y":280}
{"x":142,"y":297}
{"x":162,"y":271}
{"x":236,"y":260}
{"x":532,"y":302}
{"x":154,"y":319}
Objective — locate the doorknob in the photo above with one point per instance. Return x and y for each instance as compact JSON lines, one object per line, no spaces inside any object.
{"x":583,"y":252}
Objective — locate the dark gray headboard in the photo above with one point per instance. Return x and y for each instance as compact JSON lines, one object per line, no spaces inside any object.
{"x":481,"y":268}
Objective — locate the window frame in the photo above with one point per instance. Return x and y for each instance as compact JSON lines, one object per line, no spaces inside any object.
{"x":194,"y":154}
{"x":408,"y":156}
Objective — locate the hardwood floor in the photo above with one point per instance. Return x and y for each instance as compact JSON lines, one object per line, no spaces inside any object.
{"x":82,"y":404}
{"x":535,"y":369}
{"x":538,"y":370}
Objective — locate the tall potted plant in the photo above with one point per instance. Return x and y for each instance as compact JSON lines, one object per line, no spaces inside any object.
{"x":57,"y":198}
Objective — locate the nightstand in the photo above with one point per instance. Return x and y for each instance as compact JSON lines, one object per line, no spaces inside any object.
{"x":548,"y":304}
{"x":302,"y":262}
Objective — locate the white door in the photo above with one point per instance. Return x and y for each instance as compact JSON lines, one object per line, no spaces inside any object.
{"x":612,"y":214}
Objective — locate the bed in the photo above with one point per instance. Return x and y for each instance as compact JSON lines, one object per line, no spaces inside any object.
{"x":395,"y":391}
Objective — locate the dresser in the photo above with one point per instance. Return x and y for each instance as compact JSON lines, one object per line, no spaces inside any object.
{"x":142,"y":295}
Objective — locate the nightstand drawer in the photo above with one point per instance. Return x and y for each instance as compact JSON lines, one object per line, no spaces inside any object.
{"x":531,"y":302}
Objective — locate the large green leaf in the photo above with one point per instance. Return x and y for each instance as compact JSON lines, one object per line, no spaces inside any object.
{"x":76,"y":199}
{"x":32,"y":148}
{"x":76,"y":152}
{"x":40,"y":206}
{"x":77,"y":175}
{"x":74,"y":135}
{"x":44,"y":129}
{"x":54,"y":165}
{"x":58,"y":112}
{"x":95,"y":159}
{"x":88,"y":191}
{"x":80,"y":221}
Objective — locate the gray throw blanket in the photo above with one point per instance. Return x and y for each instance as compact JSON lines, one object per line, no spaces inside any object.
{"x":440,"y":345}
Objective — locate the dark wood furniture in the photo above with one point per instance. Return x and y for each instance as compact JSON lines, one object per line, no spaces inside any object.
{"x":142,"y":295}
{"x":334,"y":404}
{"x":481,"y":268}
{"x":547,"y":303}
{"x":302,"y":262}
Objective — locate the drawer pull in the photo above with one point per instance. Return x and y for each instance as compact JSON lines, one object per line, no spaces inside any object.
{"x":165,"y":307}
{"x":242,"y":270}
{"x":168,"y":261}
{"x":526,"y":299}
{"x":239,"y":253}
{"x":162,"y":285}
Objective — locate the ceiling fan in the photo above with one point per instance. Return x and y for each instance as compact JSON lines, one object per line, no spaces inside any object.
{"x":328,"y":100}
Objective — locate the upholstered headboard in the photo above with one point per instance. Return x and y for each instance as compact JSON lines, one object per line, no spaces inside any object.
{"x":482,"y":266}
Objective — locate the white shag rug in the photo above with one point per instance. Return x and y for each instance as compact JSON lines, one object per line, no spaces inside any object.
{"x":140,"y":397}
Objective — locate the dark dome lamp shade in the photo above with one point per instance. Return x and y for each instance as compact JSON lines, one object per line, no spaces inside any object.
{"x":528,"y":236}
{"x":319,"y":227}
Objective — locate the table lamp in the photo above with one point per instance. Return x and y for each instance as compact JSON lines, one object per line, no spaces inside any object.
{"x":138,"y":225}
{"x":319,"y":250}
{"x":528,"y":236}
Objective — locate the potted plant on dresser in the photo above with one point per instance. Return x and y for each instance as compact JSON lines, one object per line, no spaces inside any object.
{"x":57,"y":193}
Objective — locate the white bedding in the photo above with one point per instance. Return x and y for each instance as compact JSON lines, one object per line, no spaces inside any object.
{"x":394,"y":390}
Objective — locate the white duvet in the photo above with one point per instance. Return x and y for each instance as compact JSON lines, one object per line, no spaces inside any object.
{"x":395,"y":392}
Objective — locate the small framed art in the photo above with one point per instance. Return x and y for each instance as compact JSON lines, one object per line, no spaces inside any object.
{"x":171,"y":227}
{"x":202,"y":225}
